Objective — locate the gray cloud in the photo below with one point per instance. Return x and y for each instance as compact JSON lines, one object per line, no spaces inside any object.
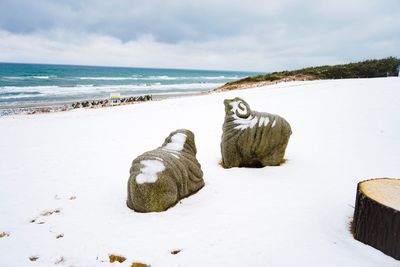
{"x":253,"y":35}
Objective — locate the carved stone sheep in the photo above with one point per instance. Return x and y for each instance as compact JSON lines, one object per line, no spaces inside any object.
{"x":251,"y":138}
{"x":161,"y":177}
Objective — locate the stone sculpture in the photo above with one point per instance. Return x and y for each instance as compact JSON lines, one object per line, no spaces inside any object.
{"x":161,"y":177}
{"x":251,"y":138}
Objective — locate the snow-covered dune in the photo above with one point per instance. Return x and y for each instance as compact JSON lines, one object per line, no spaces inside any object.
{"x":65,"y":175}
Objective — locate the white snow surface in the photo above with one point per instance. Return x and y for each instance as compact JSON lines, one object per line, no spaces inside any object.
{"x":296,"y":214}
{"x":148,"y":174}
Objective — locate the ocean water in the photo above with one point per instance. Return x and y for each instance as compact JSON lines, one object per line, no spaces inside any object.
{"x":27,"y":84}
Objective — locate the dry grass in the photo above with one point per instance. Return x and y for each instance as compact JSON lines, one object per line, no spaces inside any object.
{"x":50,"y":212}
{"x":33,"y":258}
{"x":138,"y":264}
{"x":60,"y":260}
{"x":114,"y":258}
{"x":59,"y":236}
{"x":350,"y":225}
{"x":221,"y":163}
{"x":4,"y":234}
{"x":176,"y":251}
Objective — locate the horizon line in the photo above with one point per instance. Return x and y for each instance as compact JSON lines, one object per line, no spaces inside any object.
{"x":127,"y":67}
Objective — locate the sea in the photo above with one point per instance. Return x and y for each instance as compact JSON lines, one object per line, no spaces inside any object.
{"x":24,"y":85}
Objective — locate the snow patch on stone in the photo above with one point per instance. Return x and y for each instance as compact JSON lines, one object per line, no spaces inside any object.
{"x":148,"y":174}
{"x":175,"y":155}
{"x":263,"y":121}
{"x":239,"y":107}
{"x":243,"y":124}
{"x":177,"y":142}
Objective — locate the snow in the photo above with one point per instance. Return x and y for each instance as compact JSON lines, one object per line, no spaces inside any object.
{"x":176,"y":145}
{"x":263,"y":121}
{"x":177,"y":142}
{"x":148,"y":174}
{"x":296,"y":214}
{"x":250,"y":121}
{"x":243,"y":124}
{"x":237,"y":106}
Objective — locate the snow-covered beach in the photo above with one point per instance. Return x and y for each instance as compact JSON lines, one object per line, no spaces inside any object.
{"x":63,"y":179}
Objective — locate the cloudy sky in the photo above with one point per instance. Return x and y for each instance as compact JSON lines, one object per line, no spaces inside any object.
{"x":258,"y":35}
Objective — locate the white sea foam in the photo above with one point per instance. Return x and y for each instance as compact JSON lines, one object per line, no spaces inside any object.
{"x":19,"y":96}
{"x":162,"y":78}
{"x":41,"y":77}
{"x":37,"y":94}
{"x":13,"y":78}
{"x":107,"y":78}
{"x":83,"y":89}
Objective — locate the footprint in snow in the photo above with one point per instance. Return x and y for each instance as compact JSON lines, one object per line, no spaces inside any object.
{"x":56,"y":197}
{"x":45,"y":213}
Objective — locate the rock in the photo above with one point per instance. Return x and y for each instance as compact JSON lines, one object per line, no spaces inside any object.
{"x":85,"y":104}
{"x":251,"y":138}
{"x":76,"y":105}
{"x":161,"y":177}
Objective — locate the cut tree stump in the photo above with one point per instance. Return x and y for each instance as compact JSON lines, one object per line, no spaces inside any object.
{"x":377,"y":215}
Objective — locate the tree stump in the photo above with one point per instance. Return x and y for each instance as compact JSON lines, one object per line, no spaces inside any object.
{"x":377,"y":215}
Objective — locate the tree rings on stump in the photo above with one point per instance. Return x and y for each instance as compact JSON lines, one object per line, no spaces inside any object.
{"x":377,"y":215}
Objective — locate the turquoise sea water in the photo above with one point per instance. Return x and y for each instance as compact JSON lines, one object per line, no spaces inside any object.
{"x":24,"y":84}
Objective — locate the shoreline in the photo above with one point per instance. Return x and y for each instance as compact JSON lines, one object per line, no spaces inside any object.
{"x":51,"y":107}
{"x":62,"y":106}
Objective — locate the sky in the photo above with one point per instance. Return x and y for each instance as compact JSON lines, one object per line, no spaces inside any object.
{"x":253,"y":35}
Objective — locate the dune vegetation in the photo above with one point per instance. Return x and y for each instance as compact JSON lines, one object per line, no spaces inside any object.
{"x":365,"y":69}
